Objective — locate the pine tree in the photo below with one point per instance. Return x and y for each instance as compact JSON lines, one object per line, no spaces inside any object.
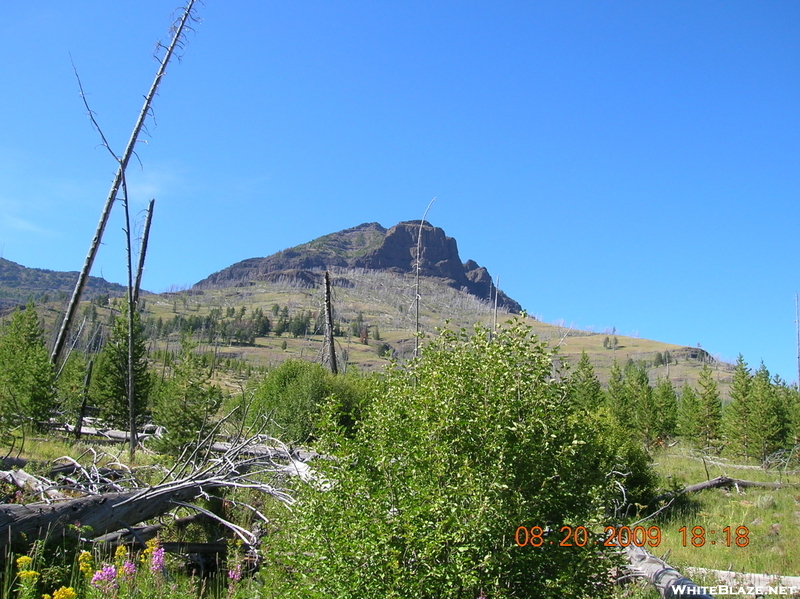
{"x":665,"y":409}
{"x":110,"y":381}
{"x":617,"y":399}
{"x":737,"y":417}
{"x":638,"y":401}
{"x":186,"y":401}
{"x":710,"y":407}
{"x":770,"y":428}
{"x":585,"y":390}
{"x":688,"y":425}
{"x":26,"y":375}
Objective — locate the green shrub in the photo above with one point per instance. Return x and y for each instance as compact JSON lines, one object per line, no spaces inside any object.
{"x":289,"y":398}
{"x":459,"y":449}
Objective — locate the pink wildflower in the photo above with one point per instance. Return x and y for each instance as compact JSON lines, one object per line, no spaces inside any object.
{"x":128,"y":569}
{"x":236,"y":573}
{"x":105,"y":579}
{"x":157,"y":561}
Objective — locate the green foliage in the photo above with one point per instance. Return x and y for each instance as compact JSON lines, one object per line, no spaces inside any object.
{"x":689,"y":415}
{"x":770,"y":428}
{"x":665,"y":409}
{"x":26,"y":376}
{"x":461,"y":447}
{"x":710,"y":420}
{"x":290,"y":397}
{"x":186,"y":401}
{"x":109,"y":387}
{"x":585,"y":389}
{"x":737,"y":424}
{"x":69,"y":387}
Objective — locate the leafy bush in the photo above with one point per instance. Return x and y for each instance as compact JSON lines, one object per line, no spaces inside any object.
{"x":289,"y":399}
{"x":461,"y":447}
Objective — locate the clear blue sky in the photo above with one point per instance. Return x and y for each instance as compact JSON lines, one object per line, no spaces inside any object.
{"x":618,"y":164}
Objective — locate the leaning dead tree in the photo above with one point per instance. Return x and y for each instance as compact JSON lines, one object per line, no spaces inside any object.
{"x":143,"y":251}
{"x":178,"y":30}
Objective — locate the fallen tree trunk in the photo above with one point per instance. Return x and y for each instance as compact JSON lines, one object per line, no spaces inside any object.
{"x":21,"y":525}
{"x":722,"y":481}
{"x":666,"y":579}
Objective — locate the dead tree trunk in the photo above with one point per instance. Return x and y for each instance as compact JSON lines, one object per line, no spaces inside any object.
{"x":72,"y":308}
{"x":20,"y":525}
{"x":143,"y":251}
{"x":84,"y":399}
{"x":417,"y":296}
{"x":666,"y":579}
{"x":329,"y":324}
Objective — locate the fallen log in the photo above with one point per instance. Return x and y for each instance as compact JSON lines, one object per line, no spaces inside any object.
{"x":666,"y":579}
{"x":139,"y":535}
{"x":722,"y":481}
{"x":28,"y":482}
{"x":21,"y":525}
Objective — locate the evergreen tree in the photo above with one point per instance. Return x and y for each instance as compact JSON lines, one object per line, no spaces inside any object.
{"x":770,"y":428}
{"x":617,"y":400}
{"x":186,"y":401}
{"x":688,"y":425}
{"x":26,"y":375}
{"x":710,"y":407}
{"x":665,"y":409}
{"x":585,"y":389}
{"x":638,"y":402}
{"x":110,"y":379}
{"x":738,"y":413}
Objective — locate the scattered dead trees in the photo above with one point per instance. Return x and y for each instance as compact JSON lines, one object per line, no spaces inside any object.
{"x":119,"y":183}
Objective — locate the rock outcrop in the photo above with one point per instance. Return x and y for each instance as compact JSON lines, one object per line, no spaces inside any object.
{"x":372,"y":247}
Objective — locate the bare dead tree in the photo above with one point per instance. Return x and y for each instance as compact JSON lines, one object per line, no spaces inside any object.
{"x":329,"y":324}
{"x":177,"y":31}
{"x":416,"y":284}
{"x":84,"y":399}
{"x":143,"y":251}
{"x":130,"y":387}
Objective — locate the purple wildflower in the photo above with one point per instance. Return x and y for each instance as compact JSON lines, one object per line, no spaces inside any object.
{"x":236,"y":573}
{"x":106,"y":578}
{"x":128,"y":569}
{"x":157,"y":561}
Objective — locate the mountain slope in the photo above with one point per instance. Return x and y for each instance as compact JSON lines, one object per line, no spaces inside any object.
{"x":372,"y":247}
{"x":19,"y":283}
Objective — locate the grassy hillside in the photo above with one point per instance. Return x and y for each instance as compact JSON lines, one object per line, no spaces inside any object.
{"x":385,"y":302}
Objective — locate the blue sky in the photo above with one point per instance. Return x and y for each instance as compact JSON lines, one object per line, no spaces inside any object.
{"x":617,"y":164}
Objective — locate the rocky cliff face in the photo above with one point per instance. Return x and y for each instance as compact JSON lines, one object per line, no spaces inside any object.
{"x":369,"y":246}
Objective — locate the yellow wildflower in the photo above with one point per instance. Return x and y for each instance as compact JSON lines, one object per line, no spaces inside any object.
{"x":152,"y":545}
{"x":65,"y":593}
{"x":86,"y":564}
{"x":120,"y":555}
{"x":23,"y":562}
{"x":47,"y":596}
{"x":26,"y":575}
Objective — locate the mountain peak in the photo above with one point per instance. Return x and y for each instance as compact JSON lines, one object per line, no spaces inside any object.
{"x":370,"y":246}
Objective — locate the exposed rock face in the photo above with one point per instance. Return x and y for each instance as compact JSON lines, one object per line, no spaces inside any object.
{"x":369,"y":246}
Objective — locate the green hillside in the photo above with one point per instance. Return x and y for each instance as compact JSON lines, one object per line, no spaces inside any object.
{"x":382,"y":302}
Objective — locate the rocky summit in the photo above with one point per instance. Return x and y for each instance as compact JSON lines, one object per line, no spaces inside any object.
{"x":373,"y":247}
